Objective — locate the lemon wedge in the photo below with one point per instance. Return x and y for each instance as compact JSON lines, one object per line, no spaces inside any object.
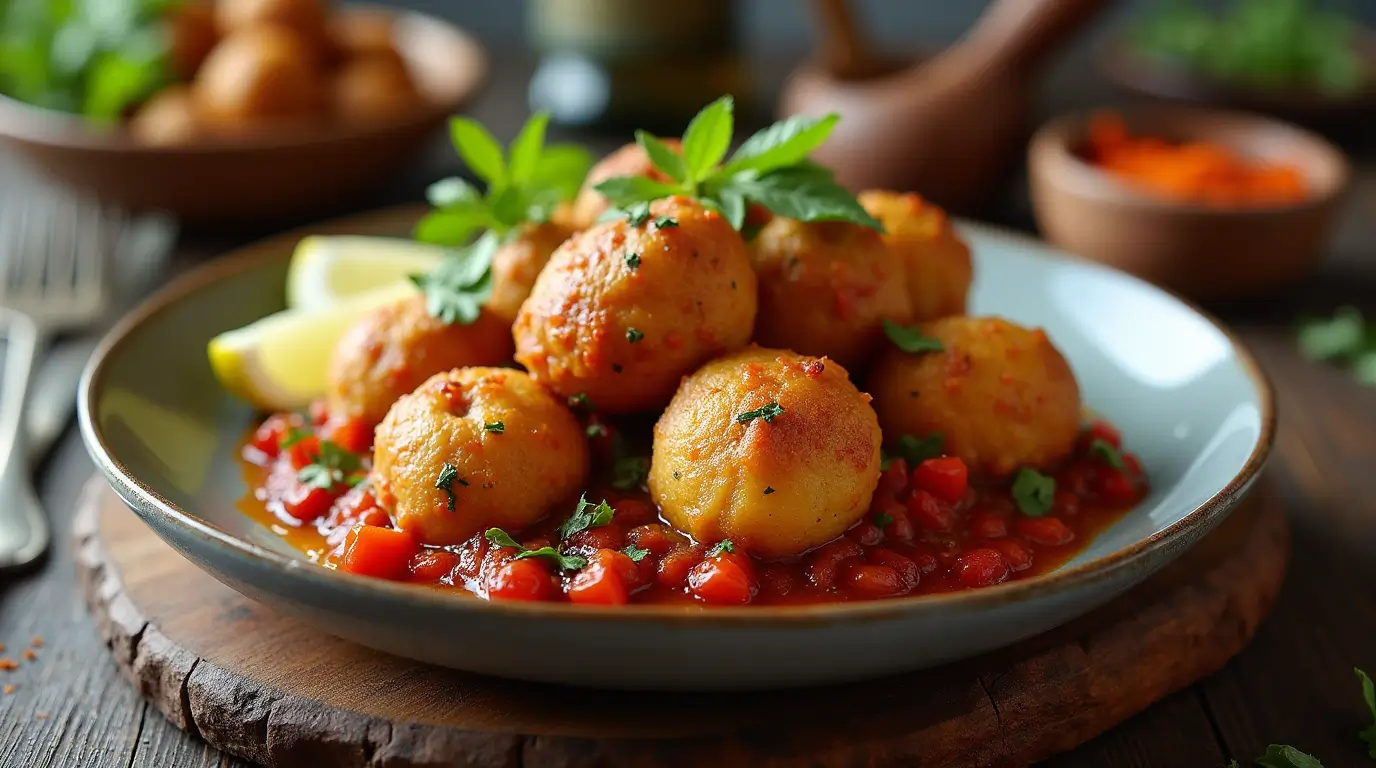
{"x":328,"y":269}
{"x":281,"y":362}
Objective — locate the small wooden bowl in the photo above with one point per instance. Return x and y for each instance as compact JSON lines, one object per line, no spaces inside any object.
{"x":277,"y":174}
{"x":1201,"y":251}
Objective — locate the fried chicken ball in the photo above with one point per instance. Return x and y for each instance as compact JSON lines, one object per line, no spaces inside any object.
{"x":476,"y":448}
{"x":167,"y":119}
{"x":629,"y":160}
{"x":1000,"y":395}
{"x":254,"y":74}
{"x":936,"y":260}
{"x":373,"y":88}
{"x":518,"y":262}
{"x":776,"y":451}
{"x":626,"y":309}
{"x":389,"y":352}
{"x":307,"y":18}
{"x":826,"y":288}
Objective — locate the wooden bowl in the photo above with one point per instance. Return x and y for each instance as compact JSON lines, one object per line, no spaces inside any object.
{"x":288,"y":172}
{"x":1146,"y":75}
{"x":1201,"y":251}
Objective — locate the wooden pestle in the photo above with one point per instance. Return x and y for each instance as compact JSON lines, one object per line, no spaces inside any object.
{"x":948,"y":127}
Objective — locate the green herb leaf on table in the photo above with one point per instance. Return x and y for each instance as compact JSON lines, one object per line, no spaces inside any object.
{"x":332,"y":465}
{"x":770,"y":168}
{"x":1107,"y":451}
{"x":501,"y":538}
{"x":587,"y":515}
{"x":1286,"y":756}
{"x":1368,"y":734}
{"x":911,"y":340}
{"x":768,"y":412}
{"x":456,"y":289}
{"x":635,"y":553}
{"x":1033,"y":492}
{"x":725,"y":545}
{"x":1339,"y":337}
{"x":445,"y":482}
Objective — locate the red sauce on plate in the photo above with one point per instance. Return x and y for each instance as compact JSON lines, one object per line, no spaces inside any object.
{"x":931,"y":529}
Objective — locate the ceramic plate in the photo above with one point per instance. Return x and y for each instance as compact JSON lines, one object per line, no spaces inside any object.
{"x":1187,"y":397}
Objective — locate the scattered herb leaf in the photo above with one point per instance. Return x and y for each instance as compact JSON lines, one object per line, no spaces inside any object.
{"x":1108,"y":452}
{"x":768,"y":412}
{"x":637,"y":214}
{"x":1033,"y":492}
{"x":445,"y":482}
{"x":633,"y":335}
{"x":768,"y":490}
{"x":725,"y":545}
{"x":579,"y":401}
{"x":495,"y":426}
{"x":1286,"y":756}
{"x":635,"y":553}
{"x":587,"y":515}
{"x":294,"y":436}
{"x":332,"y":466}
{"x":596,"y":429}
{"x":911,"y":340}
{"x":456,"y":289}
{"x":633,"y":261}
{"x":1339,"y":337}
{"x":501,"y":538}
{"x":1368,"y":734}
{"x":916,"y":450}
{"x":665,"y":222}
{"x":628,"y":469}
{"x":883,"y":520}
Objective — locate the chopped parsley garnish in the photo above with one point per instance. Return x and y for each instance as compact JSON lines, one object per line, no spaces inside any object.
{"x":587,"y":515}
{"x":1368,"y":734}
{"x":916,"y":450}
{"x":294,"y":436}
{"x":665,"y":222}
{"x":501,"y":538}
{"x":725,"y":545}
{"x":1033,"y":492}
{"x":911,"y":340}
{"x":883,"y":520}
{"x":629,"y":470}
{"x":633,"y":335}
{"x":768,"y":412}
{"x":456,"y":289}
{"x":635,"y":553}
{"x":1107,"y":451}
{"x":769,"y":168}
{"x":445,"y":482}
{"x":580,"y":400}
{"x":768,"y":489}
{"x":596,"y":429}
{"x":633,"y":261}
{"x":495,"y":426}
{"x":332,"y":465}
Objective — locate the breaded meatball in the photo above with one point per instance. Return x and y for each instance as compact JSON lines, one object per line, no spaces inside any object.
{"x":167,"y":119}
{"x":373,"y":88}
{"x":304,"y":17}
{"x":394,"y":348}
{"x":256,"y":74}
{"x":518,"y":262}
{"x":626,"y":309}
{"x":826,"y":289}
{"x":1000,"y":395}
{"x":512,"y":451}
{"x":630,"y":160}
{"x":776,"y":451}
{"x":936,"y":260}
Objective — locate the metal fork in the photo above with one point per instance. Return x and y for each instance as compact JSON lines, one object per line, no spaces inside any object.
{"x":53,"y":253}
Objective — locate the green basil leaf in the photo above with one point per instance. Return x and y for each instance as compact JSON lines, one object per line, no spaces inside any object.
{"x":1033,"y":492}
{"x":708,"y":137}
{"x":911,"y":340}
{"x":453,"y":226}
{"x":624,"y":191}
{"x":501,"y":538}
{"x":732,"y":205}
{"x":635,"y":553}
{"x":527,"y":149}
{"x":1286,"y":756}
{"x":452,"y":191}
{"x":801,"y":195}
{"x":562,"y":168}
{"x":661,"y":156}
{"x":510,"y":207}
{"x":784,"y":143}
{"x":587,"y":515}
{"x":479,"y":150}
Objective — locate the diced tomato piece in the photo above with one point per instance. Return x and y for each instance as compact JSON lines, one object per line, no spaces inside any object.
{"x":375,"y":516}
{"x":1074,"y":479}
{"x":900,"y":527}
{"x":1016,"y":555}
{"x":723,"y":579}
{"x":981,"y":568}
{"x":521,"y":580}
{"x":432,"y":565}
{"x":946,"y":478}
{"x":674,"y":567}
{"x":353,"y":435}
{"x":1132,"y":465}
{"x":655,"y":537}
{"x":988,"y":525}
{"x":631,"y":512}
{"x":894,"y":479}
{"x":930,"y":513}
{"x":590,"y":540}
{"x":381,"y":552}
{"x":1046,"y":531}
{"x":872,"y":580}
{"x":1114,"y":486}
{"x":306,"y":503}
{"x":1065,"y":504}
{"x":304,"y":451}
{"x":867,"y":533}
{"x":319,"y":411}
{"x":1102,"y":430}
{"x":602,"y":581}
{"x":827,"y":560}
{"x":267,"y":439}
{"x":776,"y":580}
{"x":906,"y":569}
{"x":926,"y":562}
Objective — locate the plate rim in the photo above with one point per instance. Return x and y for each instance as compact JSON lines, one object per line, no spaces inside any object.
{"x":157,"y":510}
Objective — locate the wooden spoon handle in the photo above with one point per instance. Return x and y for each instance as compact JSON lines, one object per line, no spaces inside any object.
{"x":1019,"y":35}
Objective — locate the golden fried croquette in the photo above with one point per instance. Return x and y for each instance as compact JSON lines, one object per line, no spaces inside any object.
{"x":935,"y":259}
{"x":1000,"y":395}
{"x":626,"y":309}
{"x":167,"y":119}
{"x":476,"y":448}
{"x":518,"y":261}
{"x":394,"y":348}
{"x":373,"y":88}
{"x":257,"y":73}
{"x":793,"y":477}
{"x":826,"y":288}
{"x":629,"y":160}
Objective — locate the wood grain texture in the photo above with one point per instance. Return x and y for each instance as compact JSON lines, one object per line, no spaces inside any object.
{"x":279,"y":693}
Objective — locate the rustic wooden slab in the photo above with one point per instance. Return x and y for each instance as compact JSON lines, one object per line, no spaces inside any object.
{"x":280,"y":693}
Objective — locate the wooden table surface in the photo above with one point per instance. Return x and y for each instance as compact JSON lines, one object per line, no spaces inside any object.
{"x":1293,"y":685}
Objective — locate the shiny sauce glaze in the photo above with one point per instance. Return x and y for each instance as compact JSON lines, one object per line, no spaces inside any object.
{"x":931,"y":528}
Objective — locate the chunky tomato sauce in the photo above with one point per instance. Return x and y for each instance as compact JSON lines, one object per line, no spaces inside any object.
{"x":931,"y":528}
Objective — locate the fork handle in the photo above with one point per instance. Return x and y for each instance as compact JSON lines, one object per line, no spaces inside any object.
{"x":23,"y":526}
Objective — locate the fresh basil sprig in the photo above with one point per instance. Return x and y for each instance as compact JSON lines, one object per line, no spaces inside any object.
{"x":524,"y":182}
{"x":769,"y":168}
